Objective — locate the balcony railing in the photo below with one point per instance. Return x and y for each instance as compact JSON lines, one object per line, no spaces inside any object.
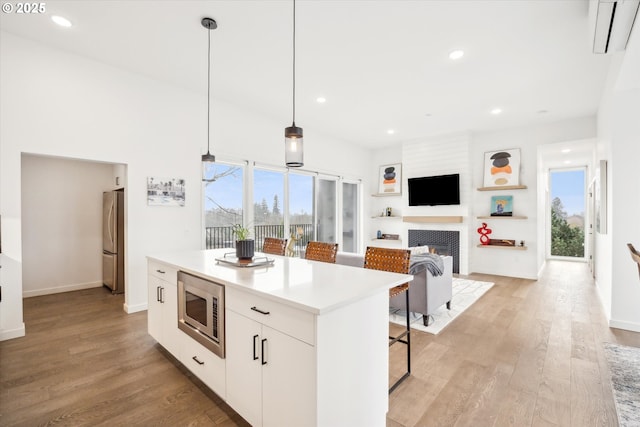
{"x":222,"y":237}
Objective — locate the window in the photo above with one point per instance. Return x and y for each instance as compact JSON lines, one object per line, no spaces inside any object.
{"x":301,"y":209}
{"x":268,"y":202}
{"x":223,"y":203}
{"x":285,"y":204}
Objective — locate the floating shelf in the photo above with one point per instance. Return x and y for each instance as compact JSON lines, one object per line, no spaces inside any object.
{"x":386,"y":194}
{"x":504,"y":187}
{"x":518,"y":248}
{"x":432,"y":219}
{"x":386,"y":217}
{"x":503,"y":217}
{"x":388,"y":240}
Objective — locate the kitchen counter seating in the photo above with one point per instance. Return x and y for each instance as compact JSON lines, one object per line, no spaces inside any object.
{"x":294,"y":331}
{"x":427,"y":292}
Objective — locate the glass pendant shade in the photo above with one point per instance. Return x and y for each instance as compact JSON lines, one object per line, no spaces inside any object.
{"x":293,"y":153}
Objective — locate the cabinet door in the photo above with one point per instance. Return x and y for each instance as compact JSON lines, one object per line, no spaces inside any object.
{"x":172,"y":337}
{"x":154,"y":309}
{"x":243,"y":359}
{"x":288,"y":381}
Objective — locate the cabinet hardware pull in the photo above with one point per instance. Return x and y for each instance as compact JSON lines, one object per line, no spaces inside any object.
{"x":160,"y":271}
{"x":162,"y":295}
{"x":158,"y":293}
{"x":254,"y":347}
{"x":260,"y":311}
{"x":264,"y":361}
{"x":197,"y":361}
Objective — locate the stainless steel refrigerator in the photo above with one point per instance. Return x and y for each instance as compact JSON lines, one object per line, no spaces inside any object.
{"x":113,"y":240}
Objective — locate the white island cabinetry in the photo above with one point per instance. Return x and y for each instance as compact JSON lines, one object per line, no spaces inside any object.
{"x":267,"y":367}
{"x":306,"y":342}
{"x":162,"y":314}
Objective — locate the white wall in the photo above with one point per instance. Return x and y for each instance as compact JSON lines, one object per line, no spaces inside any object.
{"x":55,"y":103}
{"x":62,"y":223}
{"x":618,"y":136}
{"x":528,"y":263}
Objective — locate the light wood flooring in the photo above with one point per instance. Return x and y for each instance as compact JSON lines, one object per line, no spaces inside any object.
{"x":528,"y":353}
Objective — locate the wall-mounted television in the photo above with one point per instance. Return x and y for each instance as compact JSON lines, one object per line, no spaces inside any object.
{"x":434,"y":190}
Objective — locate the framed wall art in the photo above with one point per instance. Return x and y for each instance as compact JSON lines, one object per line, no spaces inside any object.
{"x":165,"y":191}
{"x":502,"y":168}
{"x":501,"y":205}
{"x":390,"y":179}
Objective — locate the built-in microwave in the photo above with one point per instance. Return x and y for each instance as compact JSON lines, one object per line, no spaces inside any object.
{"x":201,"y":311}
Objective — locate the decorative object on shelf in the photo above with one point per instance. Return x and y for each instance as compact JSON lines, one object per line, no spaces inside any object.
{"x":379,"y":234}
{"x":390,"y":179}
{"x":502,"y":242}
{"x":502,"y":168}
{"x":208,"y":159}
{"x":501,"y":205}
{"x":484,"y":232}
{"x":293,"y":155}
{"x":245,"y":247}
{"x":521,"y":243}
{"x":391,"y":236}
{"x":165,"y":191}
{"x":388,"y":211}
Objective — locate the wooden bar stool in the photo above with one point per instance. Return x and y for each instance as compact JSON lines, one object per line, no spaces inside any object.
{"x":274,"y":246}
{"x":396,"y":261}
{"x":320,"y":251}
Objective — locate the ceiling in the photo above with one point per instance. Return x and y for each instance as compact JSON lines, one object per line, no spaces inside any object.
{"x":380,"y":64}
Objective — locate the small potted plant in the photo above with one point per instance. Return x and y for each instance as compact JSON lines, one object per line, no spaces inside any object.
{"x":245,"y":247}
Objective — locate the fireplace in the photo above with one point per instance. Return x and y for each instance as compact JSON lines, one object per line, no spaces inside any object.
{"x":442,"y":242}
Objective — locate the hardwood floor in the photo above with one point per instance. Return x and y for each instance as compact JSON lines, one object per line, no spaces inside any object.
{"x":528,"y":353}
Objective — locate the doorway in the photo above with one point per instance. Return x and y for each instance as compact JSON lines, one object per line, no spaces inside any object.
{"x":567,"y":205}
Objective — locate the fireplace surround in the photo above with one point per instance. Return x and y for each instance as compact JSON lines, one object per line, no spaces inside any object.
{"x":443,"y":242}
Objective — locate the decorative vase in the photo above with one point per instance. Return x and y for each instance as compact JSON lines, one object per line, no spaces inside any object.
{"x":245,"y":249}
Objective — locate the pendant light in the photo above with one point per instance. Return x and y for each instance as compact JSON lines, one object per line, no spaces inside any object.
{"x":293,"y":154}
{"x":208,"y":159}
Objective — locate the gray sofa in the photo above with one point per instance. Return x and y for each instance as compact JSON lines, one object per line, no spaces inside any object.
{"x":426,"y":292}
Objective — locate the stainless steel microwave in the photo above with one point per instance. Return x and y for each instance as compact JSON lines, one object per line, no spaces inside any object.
{"x":201,"y":311}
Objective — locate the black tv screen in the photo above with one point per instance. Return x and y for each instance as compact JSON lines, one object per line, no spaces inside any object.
{"x":434,"y":190}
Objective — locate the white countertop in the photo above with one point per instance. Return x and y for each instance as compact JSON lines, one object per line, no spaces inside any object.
{"x":312,"y":286}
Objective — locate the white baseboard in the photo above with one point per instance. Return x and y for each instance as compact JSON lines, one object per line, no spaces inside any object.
{"x":629,"y":326}
{"x":60,"y":289}
{"x":134,"y":308}
{"x":7,"y":334}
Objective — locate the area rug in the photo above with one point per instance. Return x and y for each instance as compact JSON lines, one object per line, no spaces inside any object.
{"x":624,"y":364}
{"x":464,"y":293}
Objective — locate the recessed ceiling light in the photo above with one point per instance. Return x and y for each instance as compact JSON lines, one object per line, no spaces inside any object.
{"x":62,"y":21}
{"x":496,"y":111}
{"x":456,"y":54}
{"x":391,"y":131}
{"x":566,"y":150}
{"x":321,"y":100}
{"x":542,"y":111}
{"x":567,"y":162}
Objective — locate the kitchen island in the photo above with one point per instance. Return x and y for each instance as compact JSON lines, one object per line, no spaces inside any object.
{"x":315,"y":352}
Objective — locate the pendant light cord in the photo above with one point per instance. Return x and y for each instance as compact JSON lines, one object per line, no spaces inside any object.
{"x":294,"y":62}
{"x":208,"y":87}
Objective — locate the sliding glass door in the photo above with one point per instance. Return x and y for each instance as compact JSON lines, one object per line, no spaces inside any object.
{"x":350,"y":215}
{"x":326,"y":222}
